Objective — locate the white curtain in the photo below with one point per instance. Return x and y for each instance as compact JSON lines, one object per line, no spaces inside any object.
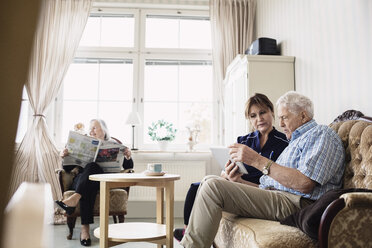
{"x":60,"y":26}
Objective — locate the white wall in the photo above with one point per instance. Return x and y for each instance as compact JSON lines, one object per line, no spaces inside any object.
{"x":332,"y":43}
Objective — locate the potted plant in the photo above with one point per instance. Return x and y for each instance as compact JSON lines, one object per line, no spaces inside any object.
{"x":162,"y":132}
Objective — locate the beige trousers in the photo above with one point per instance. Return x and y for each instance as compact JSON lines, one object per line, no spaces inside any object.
{"x":216,"y":194}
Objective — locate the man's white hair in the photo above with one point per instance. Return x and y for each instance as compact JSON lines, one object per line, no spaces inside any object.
{"x":296,"y":103}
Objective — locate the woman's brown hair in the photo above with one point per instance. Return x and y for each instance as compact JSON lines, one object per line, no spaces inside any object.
{"x":260,"y":100}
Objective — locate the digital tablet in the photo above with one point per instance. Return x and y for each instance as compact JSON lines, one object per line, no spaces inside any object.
{"x":221,"y":154}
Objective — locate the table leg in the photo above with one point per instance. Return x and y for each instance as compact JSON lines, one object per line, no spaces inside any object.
{"x":103,"y":214}
{"x":169,"y":195}
{"x":159,"y":207}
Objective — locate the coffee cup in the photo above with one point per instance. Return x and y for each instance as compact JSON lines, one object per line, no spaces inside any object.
{"x":154,"y":168}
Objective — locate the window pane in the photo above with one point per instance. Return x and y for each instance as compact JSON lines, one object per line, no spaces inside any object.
{"x":91,"y":34}
{"x":74,"y":112}
{"x":109,"y":31}
{"x":161,"y":82}
{"x":195,"y":34}
{"x":23,"y":120}
{"x":196,"y":83}
{"x":115,"y":114}
{"x":117,"y":31}
{"x":200,"y":114}
{"x":177,"y":32}
{"x":116,"y":81}
{"x":81,"y":81}
{"x":162,"y":33}
{"x":180,"y":91}
{"x":98,"y":88}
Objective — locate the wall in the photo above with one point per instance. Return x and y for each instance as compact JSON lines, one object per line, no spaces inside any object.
{"x":332,"y":43}
{"x":17,"y":25}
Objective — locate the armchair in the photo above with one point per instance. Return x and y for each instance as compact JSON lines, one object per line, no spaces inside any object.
{"x":118,"y":198}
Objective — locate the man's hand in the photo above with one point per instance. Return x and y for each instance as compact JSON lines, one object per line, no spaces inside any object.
{"x":243,"y":153}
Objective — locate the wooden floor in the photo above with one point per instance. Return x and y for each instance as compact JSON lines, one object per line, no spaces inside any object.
{"x":60,"y":233}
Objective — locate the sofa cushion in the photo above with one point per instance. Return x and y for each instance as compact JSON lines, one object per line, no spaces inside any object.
{"x":308,"y":218}
{"x":237,"y":231}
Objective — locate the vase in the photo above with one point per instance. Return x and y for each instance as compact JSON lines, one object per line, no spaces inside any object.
{"x":163,"y":145}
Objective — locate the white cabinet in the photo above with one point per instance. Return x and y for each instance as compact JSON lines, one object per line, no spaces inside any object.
{"x":250,"y":74}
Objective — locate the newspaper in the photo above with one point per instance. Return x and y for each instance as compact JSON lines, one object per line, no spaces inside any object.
{"x":84,"y":149}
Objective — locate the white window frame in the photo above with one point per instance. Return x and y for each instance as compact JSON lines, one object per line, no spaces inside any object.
{"x":138,"y":54}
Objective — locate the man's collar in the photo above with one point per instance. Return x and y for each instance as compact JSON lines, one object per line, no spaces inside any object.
{"x":303,"y":129}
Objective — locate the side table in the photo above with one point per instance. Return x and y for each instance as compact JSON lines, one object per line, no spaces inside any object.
{"x":159,"y":233}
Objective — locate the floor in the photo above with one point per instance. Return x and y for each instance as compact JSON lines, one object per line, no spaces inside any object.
{"x":60,"y":232}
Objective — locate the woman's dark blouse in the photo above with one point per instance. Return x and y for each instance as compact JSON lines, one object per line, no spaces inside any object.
{"x":273,"y":147}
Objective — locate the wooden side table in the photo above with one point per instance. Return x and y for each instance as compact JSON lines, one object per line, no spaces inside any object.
{"x":159,"y":233}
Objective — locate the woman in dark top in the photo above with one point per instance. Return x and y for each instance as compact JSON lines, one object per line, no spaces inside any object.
{"x":85,"y":189}
{"x":265,"y":140}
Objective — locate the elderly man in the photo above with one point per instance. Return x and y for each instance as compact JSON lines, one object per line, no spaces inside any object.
{"x":312,"y":164}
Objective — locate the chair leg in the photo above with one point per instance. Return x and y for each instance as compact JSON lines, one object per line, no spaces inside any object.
{"x":115,"y":219}
{"x":71,"y":221}
{"x":121,"y":218}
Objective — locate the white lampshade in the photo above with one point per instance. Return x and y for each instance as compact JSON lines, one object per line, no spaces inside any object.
{"x":133,"y":119}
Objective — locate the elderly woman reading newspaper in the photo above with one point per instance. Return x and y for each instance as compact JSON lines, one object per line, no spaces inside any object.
{"x":85,"y":189}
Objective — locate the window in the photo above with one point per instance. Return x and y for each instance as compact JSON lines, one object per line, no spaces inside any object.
{"x":169,"y":31}
{"x":185,"y":93}
{"x":24,"y":117}
{"x":98,"y":88}
{"x":155,"y":62}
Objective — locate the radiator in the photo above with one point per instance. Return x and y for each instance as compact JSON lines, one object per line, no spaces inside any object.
{"x":189,"y":171}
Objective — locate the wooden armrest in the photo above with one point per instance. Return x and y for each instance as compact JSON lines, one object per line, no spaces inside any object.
{"x":66,"y":177}
{"x":326,"y":220}
{"x":59,"y":170}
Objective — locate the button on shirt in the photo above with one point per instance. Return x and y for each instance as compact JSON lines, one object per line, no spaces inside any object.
{"x":317,"y":152}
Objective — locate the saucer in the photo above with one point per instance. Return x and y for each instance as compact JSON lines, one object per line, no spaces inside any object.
{"x":151,"y":173}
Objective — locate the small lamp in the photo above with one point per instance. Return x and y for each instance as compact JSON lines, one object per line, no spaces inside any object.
{"x":134,"y":120}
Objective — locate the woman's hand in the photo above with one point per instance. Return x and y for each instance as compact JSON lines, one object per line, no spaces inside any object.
{"x":64,"y":153}
{"x":231,"y":172}
{"x":127,"y":153}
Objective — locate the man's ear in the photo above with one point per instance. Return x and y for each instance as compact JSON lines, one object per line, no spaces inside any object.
{"x":304,"y":117}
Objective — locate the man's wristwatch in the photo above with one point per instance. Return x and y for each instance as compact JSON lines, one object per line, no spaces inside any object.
{"x":266,"y":169}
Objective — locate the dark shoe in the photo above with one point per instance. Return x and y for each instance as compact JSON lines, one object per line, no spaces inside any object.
{"x":178,"y":233}
{"x":85,"y":242}
{"x":69,"y":210}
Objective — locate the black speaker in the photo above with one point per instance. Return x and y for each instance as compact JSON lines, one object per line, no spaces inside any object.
{"x":263,"y":46}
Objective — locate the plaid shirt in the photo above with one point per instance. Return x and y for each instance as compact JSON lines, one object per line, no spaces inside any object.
{"x":317,"y":152}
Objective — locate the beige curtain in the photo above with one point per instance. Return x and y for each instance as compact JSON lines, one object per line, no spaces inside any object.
{"x":232,"y":32}
{"x":60,"y":26}
{"x":232,"y":24}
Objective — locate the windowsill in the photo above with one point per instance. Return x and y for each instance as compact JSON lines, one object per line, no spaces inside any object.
{"x":169,"y":151}
{"x":172,"y":155}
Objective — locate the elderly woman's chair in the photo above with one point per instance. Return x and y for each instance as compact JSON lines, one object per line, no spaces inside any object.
{"x":118,"y":198}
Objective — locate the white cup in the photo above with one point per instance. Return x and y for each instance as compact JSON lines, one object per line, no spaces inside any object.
{"x":154,"y":168}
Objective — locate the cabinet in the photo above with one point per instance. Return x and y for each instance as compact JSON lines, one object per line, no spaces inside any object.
{"x":250,"y":74}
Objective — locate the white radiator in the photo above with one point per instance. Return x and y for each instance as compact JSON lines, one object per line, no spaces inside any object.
{"x":190,"y":171}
